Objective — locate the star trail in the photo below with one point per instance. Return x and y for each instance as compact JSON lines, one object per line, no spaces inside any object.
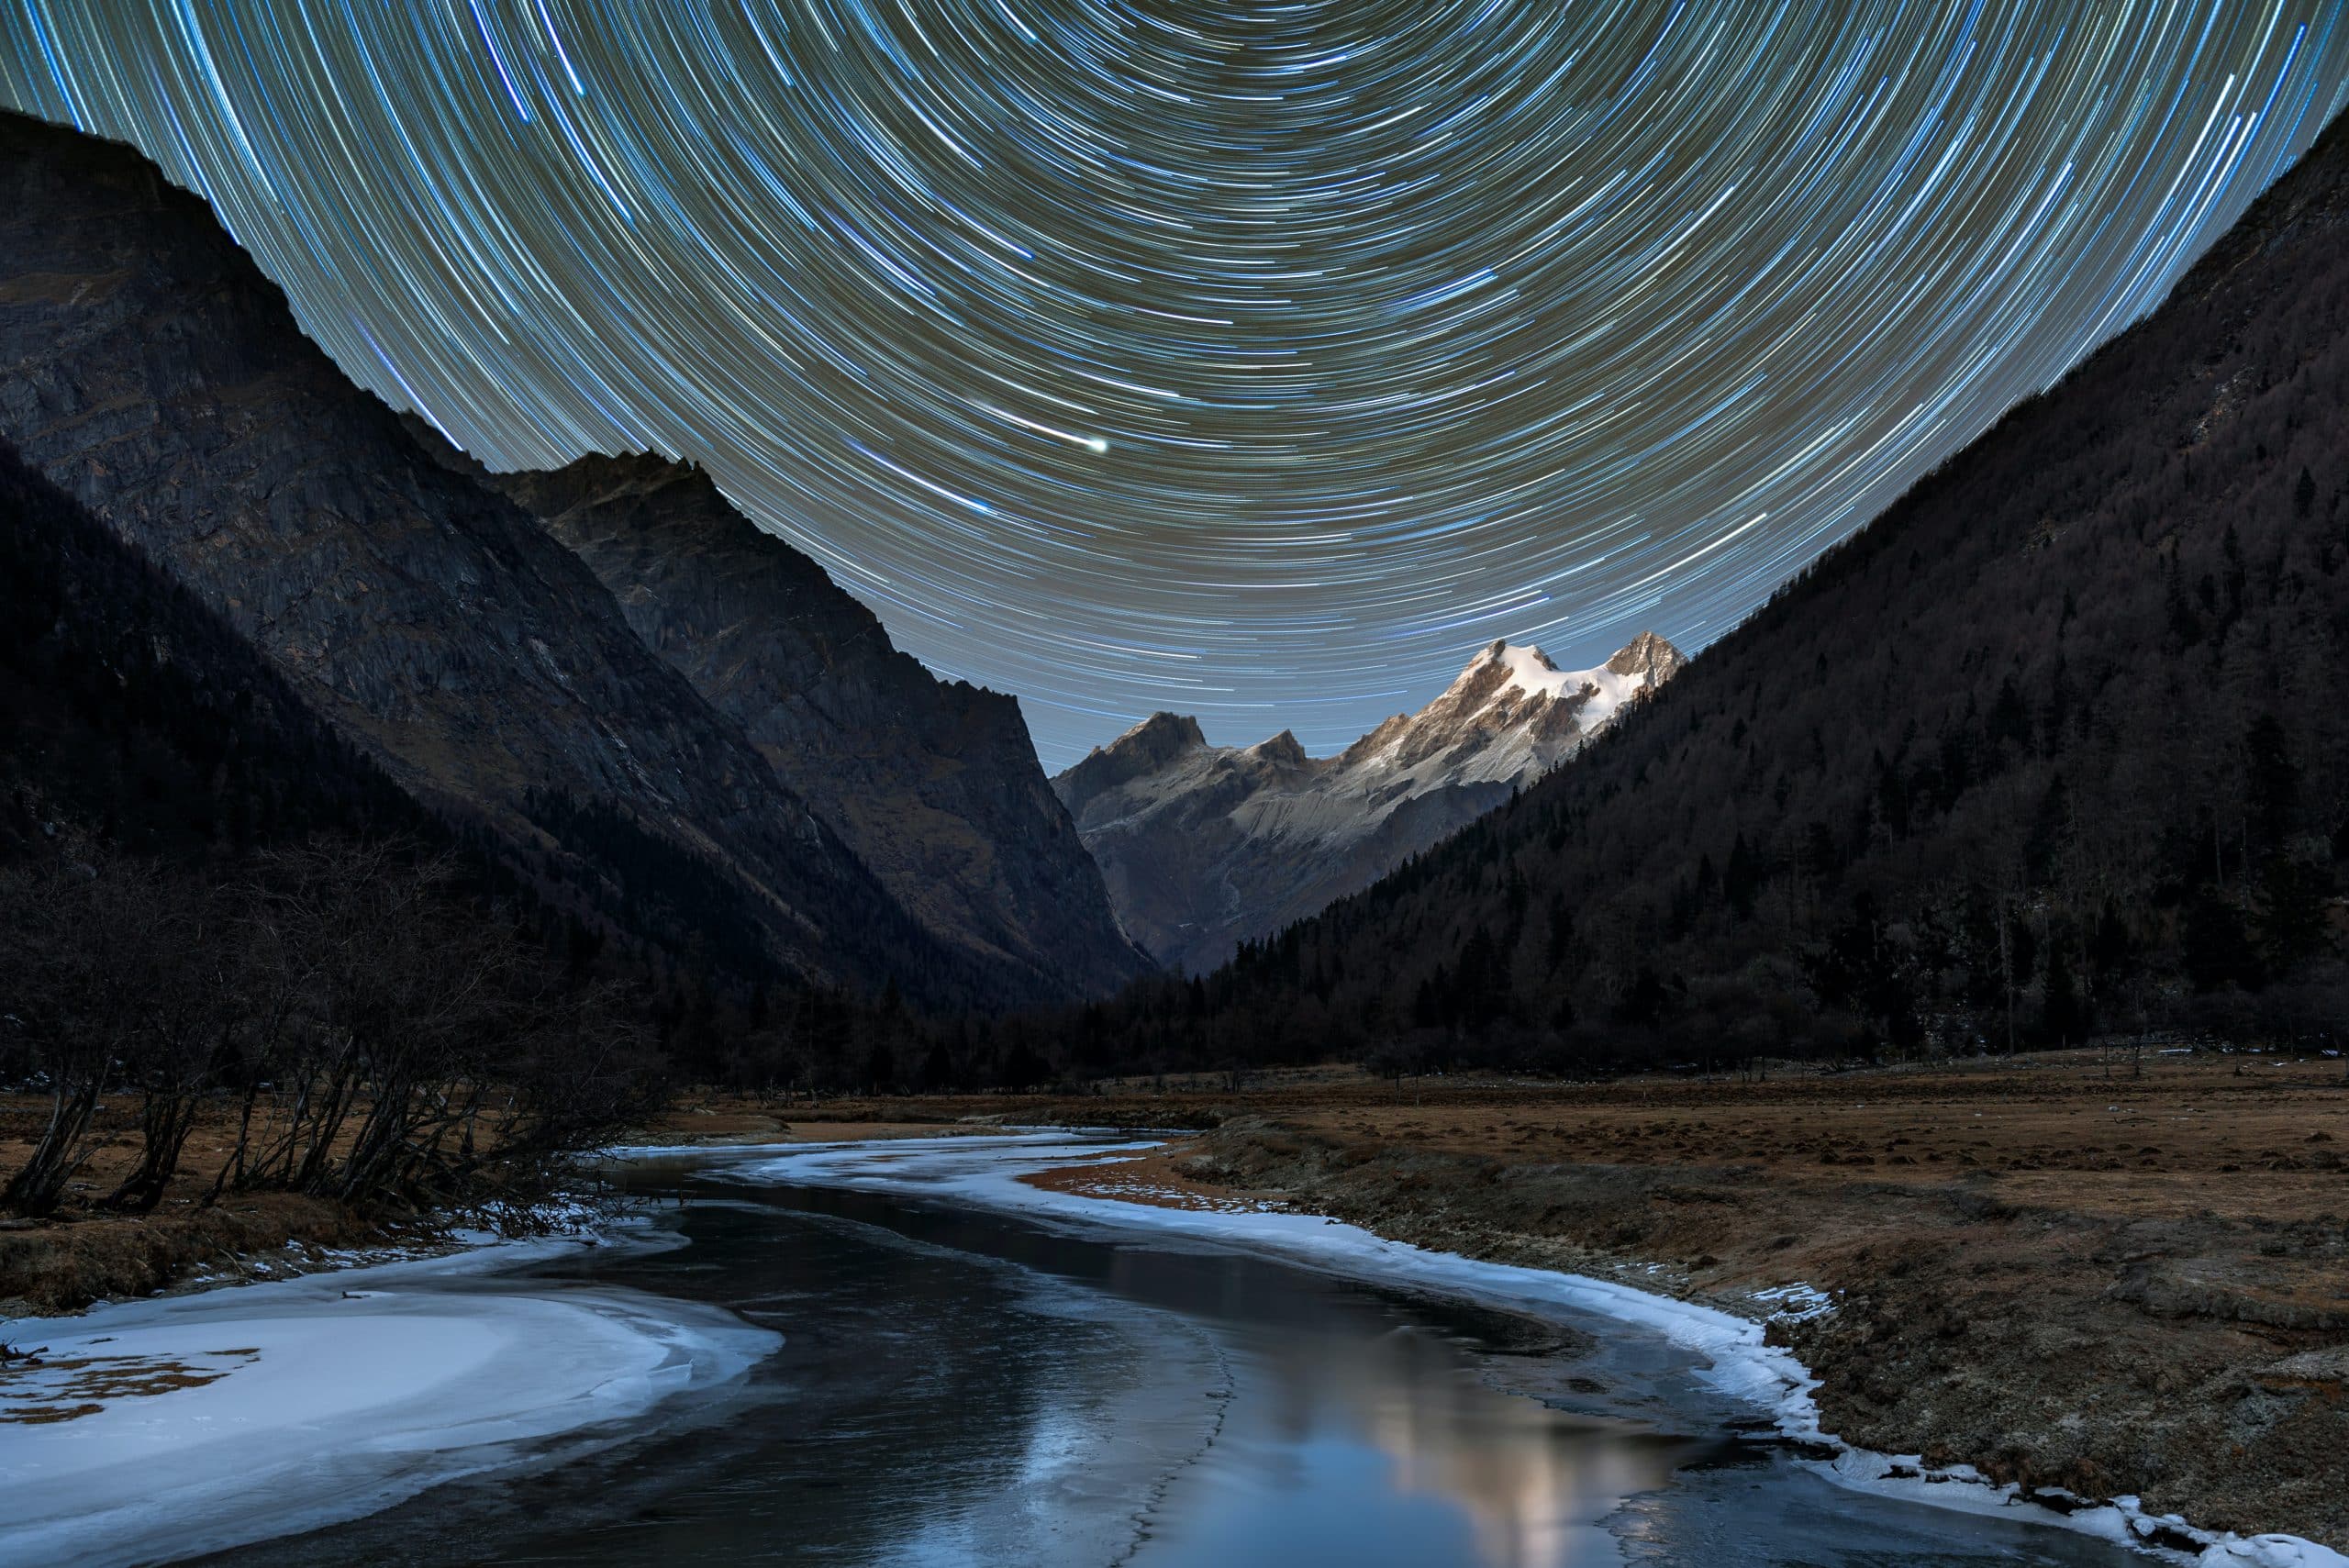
{"x":1254,"y":361}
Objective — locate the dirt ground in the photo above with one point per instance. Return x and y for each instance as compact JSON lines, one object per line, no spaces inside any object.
{"x":2070,"y":1270}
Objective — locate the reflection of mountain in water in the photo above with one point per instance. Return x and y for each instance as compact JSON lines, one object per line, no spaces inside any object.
{"x":1532,"y":1482}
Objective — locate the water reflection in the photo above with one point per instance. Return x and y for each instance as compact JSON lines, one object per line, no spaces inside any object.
{"x":1352,"y":1425}
{"x":1530,"y":1482}
{"x":1385,"y":1447}
{"x":961,"y":1390}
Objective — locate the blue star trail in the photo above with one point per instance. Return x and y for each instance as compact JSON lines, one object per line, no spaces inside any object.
{"x":1252,"y":360}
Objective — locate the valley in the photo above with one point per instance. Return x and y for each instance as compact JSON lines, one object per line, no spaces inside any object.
{"x":571,"y":990}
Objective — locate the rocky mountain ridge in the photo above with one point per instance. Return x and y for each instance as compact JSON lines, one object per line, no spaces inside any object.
{"x":933,"y":785}
{"x":1207,"y":846}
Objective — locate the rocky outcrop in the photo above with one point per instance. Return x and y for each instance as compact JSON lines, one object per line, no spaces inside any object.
{"x":934,"y":784}
{"x":151,"y":371}
{"x":1205,"y":847}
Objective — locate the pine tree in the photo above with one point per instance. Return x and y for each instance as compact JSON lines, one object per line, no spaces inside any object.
{"x":2292,"y":924}
{"x":2271,"y":780}
{"x":1741,"y":883}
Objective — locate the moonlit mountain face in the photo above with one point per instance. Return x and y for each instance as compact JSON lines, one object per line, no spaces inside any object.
{"x":1204,"y":847}
{"x":1226,"y":358}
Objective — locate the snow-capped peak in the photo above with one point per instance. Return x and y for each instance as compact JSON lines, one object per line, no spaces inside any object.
{"x":1206,"y":844}
{"x":1530,"y":671}
{"x":1507,"y":676}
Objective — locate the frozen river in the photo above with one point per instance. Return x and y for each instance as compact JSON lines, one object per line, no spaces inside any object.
{"x":962,"y":1386}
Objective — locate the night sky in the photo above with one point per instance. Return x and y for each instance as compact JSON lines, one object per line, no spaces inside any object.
{"x":1256,"y":361}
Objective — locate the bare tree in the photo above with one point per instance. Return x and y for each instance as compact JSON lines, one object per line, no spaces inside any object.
{"x":73,"y":938}
{"x":181,"y":952}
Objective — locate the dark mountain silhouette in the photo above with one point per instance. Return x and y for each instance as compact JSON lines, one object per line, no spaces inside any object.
{"x":128,"y":710}
{"x":151,"y":371}
{"x":934,"y":784}
{"x":2058,"y":744}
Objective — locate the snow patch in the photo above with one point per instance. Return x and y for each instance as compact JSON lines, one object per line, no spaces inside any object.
{"x":1796,"y":1303}
{"x":165,"y":1428}
{"x":1532,"y":674}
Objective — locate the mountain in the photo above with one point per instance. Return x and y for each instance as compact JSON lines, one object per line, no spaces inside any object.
{"x":1209,"y":845}
{"x":933,"y":785}
{"x":152,"y":371}
{"x":130,"y":709}
{"x":2057,"y":745}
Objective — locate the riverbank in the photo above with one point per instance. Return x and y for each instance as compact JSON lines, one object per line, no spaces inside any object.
{"x":1124,"y":1186}
{"x":194,"y":1239}
{"x":222,"y":1370}
{"x":2070,"y":1278}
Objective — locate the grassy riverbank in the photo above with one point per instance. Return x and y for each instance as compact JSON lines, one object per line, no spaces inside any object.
{"x":2063,"y":1271}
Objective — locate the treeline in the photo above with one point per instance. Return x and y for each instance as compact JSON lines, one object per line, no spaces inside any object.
{"x":2057,"y":748}
{"x":357,"y":1028}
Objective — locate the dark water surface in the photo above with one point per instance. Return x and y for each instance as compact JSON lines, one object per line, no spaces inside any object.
{"x":956,"y":1388}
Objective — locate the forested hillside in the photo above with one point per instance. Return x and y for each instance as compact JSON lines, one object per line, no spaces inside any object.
{"x":129,"y":710}
{"x":2058,"y":745}
{"x":208,"y":897}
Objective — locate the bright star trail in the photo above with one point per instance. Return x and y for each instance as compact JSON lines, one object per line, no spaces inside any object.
{"x":1252,"y":360}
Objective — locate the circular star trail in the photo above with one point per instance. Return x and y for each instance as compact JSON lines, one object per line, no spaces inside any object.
{"x":1252,"y":360}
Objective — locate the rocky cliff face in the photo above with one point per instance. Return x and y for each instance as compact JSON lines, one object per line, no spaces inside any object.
{"x":151,"y":371}
{"x":933,"y":785}
{"x":1207,"y":845}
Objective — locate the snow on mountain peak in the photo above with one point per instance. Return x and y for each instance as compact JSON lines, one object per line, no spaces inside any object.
{"x":1204,"y":844}
{"x":1646,"y":661}
{"x":1530,"y":671}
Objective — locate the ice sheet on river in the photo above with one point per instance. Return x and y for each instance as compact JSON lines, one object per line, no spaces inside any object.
{"x":984,"y":1171}
{"x":163,"y":1429}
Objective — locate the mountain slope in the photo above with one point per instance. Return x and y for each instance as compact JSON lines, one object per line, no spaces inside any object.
{"x":2059,"y":744}
{"x":934,"y":784}
{"x":1209,"y":845}
{"x":149,"y":370}
{"x":130,"y":709}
